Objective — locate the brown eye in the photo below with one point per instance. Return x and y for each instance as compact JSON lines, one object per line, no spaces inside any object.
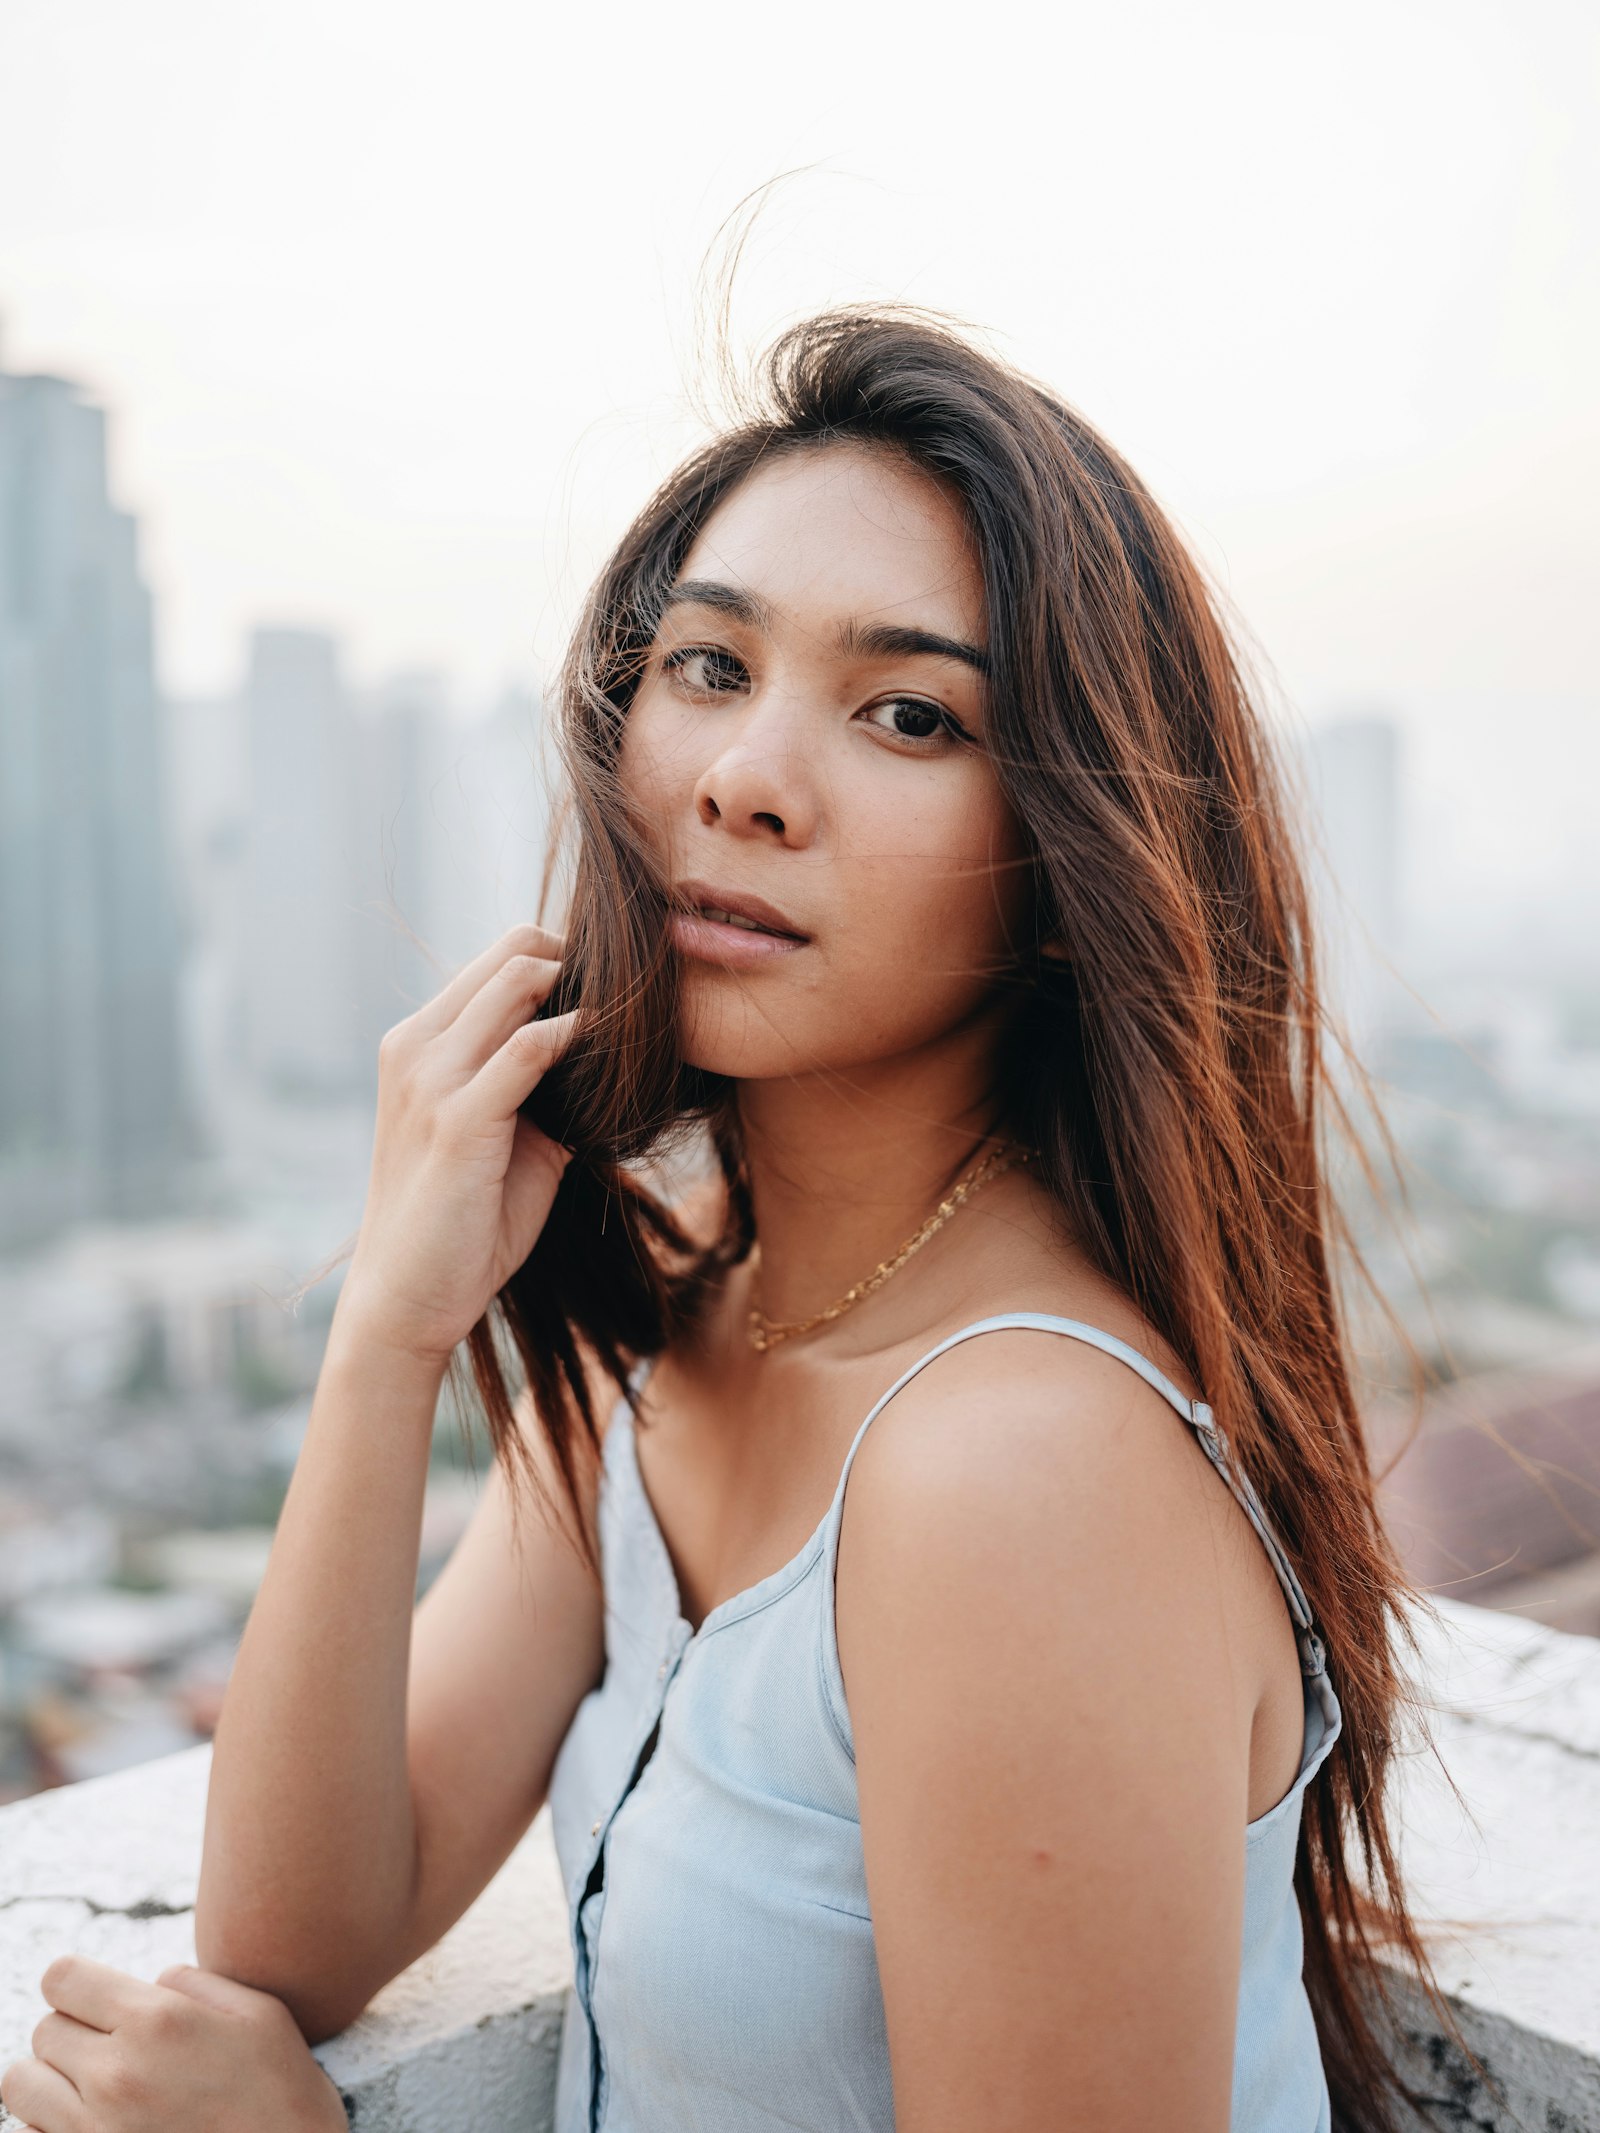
{"x":705,"y":669}
{"x":915,"y":719}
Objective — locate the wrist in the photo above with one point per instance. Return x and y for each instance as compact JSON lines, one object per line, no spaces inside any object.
{"x":360,"y":1334}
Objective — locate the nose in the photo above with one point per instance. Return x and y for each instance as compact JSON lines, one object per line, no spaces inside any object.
{"x":762,"y":782}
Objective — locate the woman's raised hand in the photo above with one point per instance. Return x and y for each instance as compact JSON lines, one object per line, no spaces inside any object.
{"x":461,"y":1184}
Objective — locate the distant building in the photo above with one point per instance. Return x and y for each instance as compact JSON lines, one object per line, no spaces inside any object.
{"x":298,"y":980}
{"x":1353,"y":775}
{"x":206,"y":753}
{"x":342,"y":865}
{"x":344,"y":851}
{"x":489,"y":823}
{"x":94,"y":1118}
{"x":402,"y":764}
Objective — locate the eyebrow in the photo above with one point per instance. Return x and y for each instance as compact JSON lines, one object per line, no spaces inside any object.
{"x":879,"y":640}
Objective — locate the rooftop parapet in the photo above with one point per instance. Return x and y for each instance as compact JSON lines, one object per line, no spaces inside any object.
{"x":467,"y":2037}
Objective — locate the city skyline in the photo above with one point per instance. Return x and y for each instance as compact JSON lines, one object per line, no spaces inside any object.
{"x":207,"y":906}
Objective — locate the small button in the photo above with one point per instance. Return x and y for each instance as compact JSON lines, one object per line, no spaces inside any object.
{"x":595,"y":1831}
{"x":661,"y":1671}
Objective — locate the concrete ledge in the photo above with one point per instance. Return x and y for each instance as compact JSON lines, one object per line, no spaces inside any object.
{"x":468,"y":2036}
{"x":1509,"y":1874}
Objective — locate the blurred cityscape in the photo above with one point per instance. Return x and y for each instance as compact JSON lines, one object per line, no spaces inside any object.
{"x":211,"y":910}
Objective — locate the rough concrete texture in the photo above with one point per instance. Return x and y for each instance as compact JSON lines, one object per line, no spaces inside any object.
{"x":1507,"y":1878}
{"x":468,"y":2036}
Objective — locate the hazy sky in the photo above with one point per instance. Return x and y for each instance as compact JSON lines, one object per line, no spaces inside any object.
{"x":394,"y":307}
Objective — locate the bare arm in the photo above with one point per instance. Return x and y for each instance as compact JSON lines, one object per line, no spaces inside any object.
{"x":309,"y":1860}
{"x":1052,"y":1750}
{"x":371,"y":1771}
{"x":338,"y":1852}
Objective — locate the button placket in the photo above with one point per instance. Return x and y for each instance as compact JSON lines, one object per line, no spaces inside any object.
{"x":663,"y":1671}
{"x":593,"y":1919}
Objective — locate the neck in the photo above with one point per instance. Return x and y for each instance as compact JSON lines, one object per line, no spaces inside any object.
{"x":842,"y":1174}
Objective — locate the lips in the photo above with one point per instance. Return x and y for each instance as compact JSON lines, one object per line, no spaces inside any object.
{"x":751,"y":913}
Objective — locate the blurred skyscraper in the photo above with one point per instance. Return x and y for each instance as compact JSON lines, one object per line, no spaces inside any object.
{"x":298,"y":977}
{"x":346,"y":850}
{"x":1353,"y":775}
{"x":489,"y":827}
{"x":401,"y":748}
{"x":93,"y":1113}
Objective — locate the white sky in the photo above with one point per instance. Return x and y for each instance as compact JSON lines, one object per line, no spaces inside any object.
{"x":393,"y":306}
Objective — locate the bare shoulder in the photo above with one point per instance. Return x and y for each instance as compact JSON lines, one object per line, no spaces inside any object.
{"x":1022,"y":1402}
{"x":1051,"y":1749}
{"x":1025,"y":1481}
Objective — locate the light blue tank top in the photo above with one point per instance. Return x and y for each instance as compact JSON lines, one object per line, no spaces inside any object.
{"x":706,"y":1822}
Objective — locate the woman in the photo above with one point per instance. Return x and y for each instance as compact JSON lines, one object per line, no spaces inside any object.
{"x":932,"y":876}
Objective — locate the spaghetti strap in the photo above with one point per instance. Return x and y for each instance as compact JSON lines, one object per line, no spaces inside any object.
{"x":1196,"y":1413}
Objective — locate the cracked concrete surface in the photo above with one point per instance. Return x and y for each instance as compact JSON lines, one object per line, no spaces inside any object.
{"x":1507,"y":1877}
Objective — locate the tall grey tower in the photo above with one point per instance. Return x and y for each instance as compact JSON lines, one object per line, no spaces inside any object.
{"x":1354,"y":776}
{"x":403,"y":759}
{"x":301,"y":1018}
{"x":94,"y":1119}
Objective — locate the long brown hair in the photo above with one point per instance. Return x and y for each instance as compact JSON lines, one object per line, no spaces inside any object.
{"x":1172,"y":1071}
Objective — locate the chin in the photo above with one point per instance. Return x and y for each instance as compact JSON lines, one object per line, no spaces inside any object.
{"x":750,"y":1028}
{"x":760,"y":1056}
{"x":734,"y":1036}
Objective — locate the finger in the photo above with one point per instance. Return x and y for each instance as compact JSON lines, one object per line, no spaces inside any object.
{"x":442,"y":1010}
{"x":94,"y":1992}
{"x":510,"y":1076}
{"x":211,"y":1987}
{"x":506,"y":1001}
{"x":67,"y":2044}
{"x":37,"y":2093}
{"x":533,"y":1177}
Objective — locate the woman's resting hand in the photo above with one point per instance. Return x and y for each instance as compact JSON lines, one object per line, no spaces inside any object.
{"x":193,"y":2053}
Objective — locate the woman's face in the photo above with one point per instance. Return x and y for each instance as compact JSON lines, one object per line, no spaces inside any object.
{"x":810,"y":732}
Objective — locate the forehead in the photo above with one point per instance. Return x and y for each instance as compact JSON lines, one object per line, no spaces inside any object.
{"x":838,"y":530}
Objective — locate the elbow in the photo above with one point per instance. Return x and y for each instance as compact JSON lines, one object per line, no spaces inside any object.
{"x":322,"y":2006}
{"x":318,"y":2023}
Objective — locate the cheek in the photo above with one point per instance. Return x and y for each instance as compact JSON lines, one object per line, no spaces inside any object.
{"x":639,"y":758}
{"x":654,"y":775}
{"x":939,"y":882}
{"x":925,"y":925}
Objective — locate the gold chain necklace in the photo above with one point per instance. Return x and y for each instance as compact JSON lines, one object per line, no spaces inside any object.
{"x":765,"y":1333}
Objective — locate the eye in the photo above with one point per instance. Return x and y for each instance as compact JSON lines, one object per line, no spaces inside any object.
{"x":929,"y":723}
{"x":705,"y":669}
